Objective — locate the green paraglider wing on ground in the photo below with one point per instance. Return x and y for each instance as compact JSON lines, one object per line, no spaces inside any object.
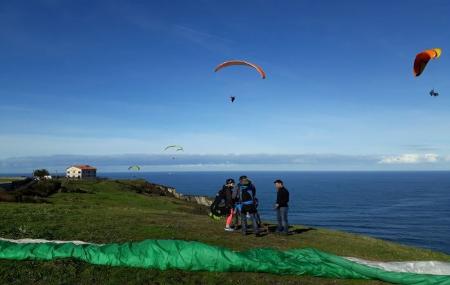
{"x":196,"y":256}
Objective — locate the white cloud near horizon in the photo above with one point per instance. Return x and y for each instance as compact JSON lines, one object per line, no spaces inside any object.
{"x":410,"y":158}
{"x":229,"y":162}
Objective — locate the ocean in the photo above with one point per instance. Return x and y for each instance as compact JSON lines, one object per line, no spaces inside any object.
{"x":411,"y":208}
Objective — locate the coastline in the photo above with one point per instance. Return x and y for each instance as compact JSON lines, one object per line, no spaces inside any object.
{"x":121,"y":211}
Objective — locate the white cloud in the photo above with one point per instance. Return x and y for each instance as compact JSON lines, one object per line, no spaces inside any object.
{"x":410,"y":158}
{"x":191,"y":161}
{"x":431,"y":157}
{"x":223,"y":162}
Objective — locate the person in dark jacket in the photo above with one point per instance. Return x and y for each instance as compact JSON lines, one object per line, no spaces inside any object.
{"x":229,"y":202}
{"x":281,"y":206}
{"x":223,"y":201}
{"x":245,"y":192}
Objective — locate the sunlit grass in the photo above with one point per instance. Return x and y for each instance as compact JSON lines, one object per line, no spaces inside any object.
{"x":114,"y":212}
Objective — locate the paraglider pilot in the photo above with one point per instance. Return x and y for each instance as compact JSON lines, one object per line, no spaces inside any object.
{"x":434,"y":93}
{"x":246,"y":192}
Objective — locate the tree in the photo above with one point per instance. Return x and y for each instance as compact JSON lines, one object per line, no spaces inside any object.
{"x":40,"y":173}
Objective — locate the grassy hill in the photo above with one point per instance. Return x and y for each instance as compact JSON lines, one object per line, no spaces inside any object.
{"x":112,"y":211}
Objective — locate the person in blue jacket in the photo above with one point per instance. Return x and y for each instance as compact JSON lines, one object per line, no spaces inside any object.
{"x":246,"y":206}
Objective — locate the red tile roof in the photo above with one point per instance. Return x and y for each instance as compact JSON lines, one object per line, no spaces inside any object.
{"x":84,"y":167}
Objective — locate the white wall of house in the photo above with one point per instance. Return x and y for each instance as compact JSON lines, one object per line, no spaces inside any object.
{"x":75,"y":172}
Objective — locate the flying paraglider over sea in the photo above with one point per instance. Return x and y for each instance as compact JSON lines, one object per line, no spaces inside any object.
{"x":134,"y":168}
{"x":423,"y":58}
{"x":175,"y":147}
{"x":244,"y":63}
{"x":254,"y":66}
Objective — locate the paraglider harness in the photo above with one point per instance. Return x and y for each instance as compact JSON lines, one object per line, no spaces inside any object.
{"x":250,"y":201}
{"x":434,"y":93}
{"x":244,"y":189}
{"x":239,"y":205}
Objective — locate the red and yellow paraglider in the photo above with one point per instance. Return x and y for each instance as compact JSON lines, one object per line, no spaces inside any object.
{"x":423,"y":58}
{"x":241,"y":62}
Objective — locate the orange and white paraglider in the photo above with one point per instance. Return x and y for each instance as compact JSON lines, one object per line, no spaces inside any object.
{"x":423,"y":58}
{"x":241,"y":62}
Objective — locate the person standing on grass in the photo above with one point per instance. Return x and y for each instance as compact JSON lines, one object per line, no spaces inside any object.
{"x":246,"y":192}
{"x":281,"y":207}
{"x":229,"y":202}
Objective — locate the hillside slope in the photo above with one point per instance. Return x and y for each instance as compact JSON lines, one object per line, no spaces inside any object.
{"x":114,"y":211}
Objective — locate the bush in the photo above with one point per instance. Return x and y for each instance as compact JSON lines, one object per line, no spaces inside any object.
{"x":41,"y":173}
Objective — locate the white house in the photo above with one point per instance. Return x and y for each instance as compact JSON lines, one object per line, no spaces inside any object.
{"x":81,"y":171}
{"x":46,"y":177}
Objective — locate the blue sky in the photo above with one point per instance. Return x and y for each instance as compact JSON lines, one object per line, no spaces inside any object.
{"x":120,"y":78}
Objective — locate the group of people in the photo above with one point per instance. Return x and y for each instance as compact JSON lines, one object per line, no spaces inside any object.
{"x":238,"y":202}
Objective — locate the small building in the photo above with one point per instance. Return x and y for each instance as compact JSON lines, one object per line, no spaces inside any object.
{"x":46,"y":177}
{"x":81,"y":171}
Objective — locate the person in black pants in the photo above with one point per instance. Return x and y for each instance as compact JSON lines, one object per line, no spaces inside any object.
{"x":246,"y":192}
{"x":281,"y":207}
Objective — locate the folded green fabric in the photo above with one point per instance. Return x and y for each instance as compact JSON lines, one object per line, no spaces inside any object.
{"x":196,"y":256}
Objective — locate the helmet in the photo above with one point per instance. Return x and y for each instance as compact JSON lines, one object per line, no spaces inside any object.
{"x":229,"y":181}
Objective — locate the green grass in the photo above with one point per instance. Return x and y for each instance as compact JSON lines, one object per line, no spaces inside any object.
{"x":114,"y":213}
{"x":9,"y":179}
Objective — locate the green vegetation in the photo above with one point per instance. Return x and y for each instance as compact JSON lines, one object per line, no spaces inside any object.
{"x":112,"y":211}
{"x":9,"y":179}
{"x":41,"y":173}
{"x":29,"y":190}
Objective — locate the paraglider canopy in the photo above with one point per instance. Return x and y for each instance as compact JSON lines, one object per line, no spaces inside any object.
{"x":241,"y":62}
{"x":423,"y":58}
{"x":134,"y":168}
{"x":175,"y":147}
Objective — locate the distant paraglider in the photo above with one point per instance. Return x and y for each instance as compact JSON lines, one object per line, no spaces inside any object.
{"x":423,"y":58}
{"x":175,"y":147}
{"x":434,"y":93}
{"x":134,"y":168}
{"x":241,"y":62}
